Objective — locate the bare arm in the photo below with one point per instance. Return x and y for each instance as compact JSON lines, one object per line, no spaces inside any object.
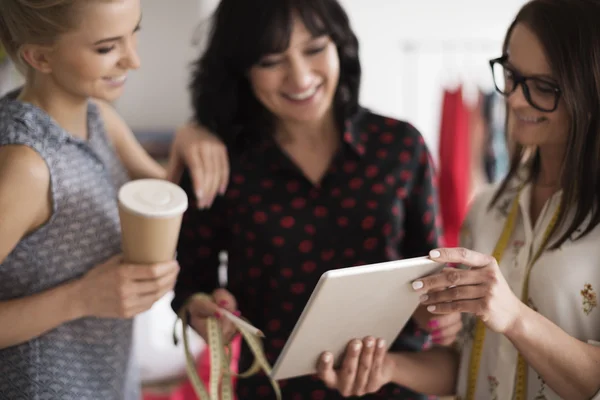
{"x":136,"y":160}
{"x":25,"y":206}
{"x":431,"y":372}
{"x":32,"y":316}
{"x":366,"y":367}
{"x":569,"y":366}
{"x":109,"y":290}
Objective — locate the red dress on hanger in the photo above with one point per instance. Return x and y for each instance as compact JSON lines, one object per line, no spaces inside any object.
{"x":454,"y":170}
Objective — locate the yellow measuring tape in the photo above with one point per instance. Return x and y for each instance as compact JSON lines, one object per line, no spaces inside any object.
{"x":220,"y":358}
{"x":476,"y":352}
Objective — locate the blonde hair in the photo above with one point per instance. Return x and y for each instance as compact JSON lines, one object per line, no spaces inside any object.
{"x":35,"y":22}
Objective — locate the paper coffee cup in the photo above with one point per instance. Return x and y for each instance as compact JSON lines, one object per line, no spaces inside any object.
{"x":150,"y":211}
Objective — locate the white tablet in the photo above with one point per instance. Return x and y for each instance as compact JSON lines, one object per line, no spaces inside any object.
{"x":352,"y":303}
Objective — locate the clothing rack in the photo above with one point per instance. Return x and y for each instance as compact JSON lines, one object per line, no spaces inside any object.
{"x":465,"y":57}
{"x":468,"y":45}
{"x":458,"y":52}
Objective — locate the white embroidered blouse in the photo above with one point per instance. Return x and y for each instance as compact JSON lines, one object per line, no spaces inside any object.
{"x":563,"y":286}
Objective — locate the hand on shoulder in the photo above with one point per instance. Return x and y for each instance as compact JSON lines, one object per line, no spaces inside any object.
{"x":205,"y":156}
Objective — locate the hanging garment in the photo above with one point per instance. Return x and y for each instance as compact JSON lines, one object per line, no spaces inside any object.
{"x":454,"y":171}
{"x":478,"y":143}
{"x":497,"y":158}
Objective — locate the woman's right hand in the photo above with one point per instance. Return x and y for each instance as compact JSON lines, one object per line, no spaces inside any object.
{"x":201,"y":309}
{"x":364,"y":369}
{"x":118,"y":290}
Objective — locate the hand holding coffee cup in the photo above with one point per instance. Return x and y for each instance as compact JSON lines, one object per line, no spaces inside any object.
{"x":150,"y":211}
{"x":121,"y":290}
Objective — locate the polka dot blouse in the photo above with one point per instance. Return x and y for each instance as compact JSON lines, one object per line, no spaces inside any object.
{"x":376,"y":203}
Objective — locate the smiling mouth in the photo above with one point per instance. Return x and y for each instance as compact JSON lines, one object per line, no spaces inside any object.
{"x":116,"y":79}
{"x":307,"y":94}
{"x":529,"y":120}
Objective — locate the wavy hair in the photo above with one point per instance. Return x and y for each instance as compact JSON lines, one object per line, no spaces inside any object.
{"x":242,"y":32}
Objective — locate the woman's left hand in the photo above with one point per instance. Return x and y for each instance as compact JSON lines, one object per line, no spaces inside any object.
{"x":481,"y":290}
{"x":205,"y":156}
{"x":364,"y":369}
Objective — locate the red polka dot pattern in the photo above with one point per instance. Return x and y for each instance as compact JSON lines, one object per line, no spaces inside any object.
{"x":376,"y":203}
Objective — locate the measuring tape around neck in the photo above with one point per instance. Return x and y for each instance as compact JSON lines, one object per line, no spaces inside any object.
{"x":480,"y":329}
{"x":220,"y":358}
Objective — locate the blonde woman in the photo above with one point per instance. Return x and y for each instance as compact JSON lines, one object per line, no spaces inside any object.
{"x":66,"y":300}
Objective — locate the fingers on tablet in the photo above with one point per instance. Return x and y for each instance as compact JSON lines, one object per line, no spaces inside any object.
{"x":325,"y":370}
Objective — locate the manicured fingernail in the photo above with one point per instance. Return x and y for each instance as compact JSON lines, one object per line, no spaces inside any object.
{"x":436,"y":334}
{"x":423,"y":298}
{"x":431,"y":308}
{"x":369,"y":343}
{"x":381,"y":343}
{"x":327,"y":357}
{"x":237,"y":313}
{"x":435,"y":254}
{"x":433,"y":323}
{"x":417,"y":285}
{"x":222,"y":189}
{"x":437,"y":340}
{"x":199,"y":194}
{"x":223,"y":303}
{"x":356,"y":346}
{"x":218,"y":315}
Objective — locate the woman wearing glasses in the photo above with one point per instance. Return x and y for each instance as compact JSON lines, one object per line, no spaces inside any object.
{"x":533,"y":276}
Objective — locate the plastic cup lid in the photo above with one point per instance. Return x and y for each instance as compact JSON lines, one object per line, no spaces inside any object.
{"x":153,"y":198}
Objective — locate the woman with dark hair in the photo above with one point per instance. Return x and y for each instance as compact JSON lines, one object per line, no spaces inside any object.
{"x":317,"y":182}
{"x":537,"y":331}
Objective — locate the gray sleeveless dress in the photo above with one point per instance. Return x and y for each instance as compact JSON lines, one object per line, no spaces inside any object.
{"x":89,"y":358}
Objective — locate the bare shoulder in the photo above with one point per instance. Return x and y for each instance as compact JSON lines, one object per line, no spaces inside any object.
{"x":23,"y":165}
{"x":25,"y":202}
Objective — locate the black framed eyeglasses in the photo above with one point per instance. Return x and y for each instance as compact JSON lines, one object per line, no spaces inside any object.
{"x":540,"y":93}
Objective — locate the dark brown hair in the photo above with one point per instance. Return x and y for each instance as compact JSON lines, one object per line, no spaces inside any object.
{"x":243,"y":31}
{"x":569,"y":33}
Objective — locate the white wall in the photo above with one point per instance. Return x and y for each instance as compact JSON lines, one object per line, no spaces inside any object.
{"x":156,"y":96}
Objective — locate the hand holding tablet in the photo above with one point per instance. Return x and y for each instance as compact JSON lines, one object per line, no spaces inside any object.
{"x":369,"y":301}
